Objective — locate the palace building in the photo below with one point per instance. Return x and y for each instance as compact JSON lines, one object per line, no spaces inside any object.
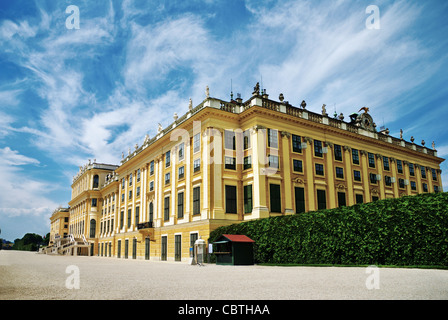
{"x":226,"y":162}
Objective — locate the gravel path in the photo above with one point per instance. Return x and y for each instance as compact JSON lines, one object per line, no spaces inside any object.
{"x":28,"y":275}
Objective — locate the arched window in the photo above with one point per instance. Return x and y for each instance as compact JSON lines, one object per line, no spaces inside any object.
{"x":96,"y":181}
{"x":92,"y":228}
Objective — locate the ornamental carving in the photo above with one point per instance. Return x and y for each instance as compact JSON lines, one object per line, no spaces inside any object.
{"x":328,"y":144}
{"x":347,"y":148}
{"x":285,"y":134}
{"x":341,"y":186}
{"x":298,"y":180}
{"x":308,"y":139}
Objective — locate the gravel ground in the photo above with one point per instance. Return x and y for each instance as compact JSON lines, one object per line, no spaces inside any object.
{"x":33,"y":276}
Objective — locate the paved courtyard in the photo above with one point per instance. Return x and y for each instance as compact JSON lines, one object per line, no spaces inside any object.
{"x":29,"y":275}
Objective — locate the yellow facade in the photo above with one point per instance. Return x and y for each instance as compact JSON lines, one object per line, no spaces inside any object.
{"x":59,"y":224}
{"x":227,"y":162}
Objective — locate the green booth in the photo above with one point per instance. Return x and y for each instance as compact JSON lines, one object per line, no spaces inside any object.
{"x":234,"y":249}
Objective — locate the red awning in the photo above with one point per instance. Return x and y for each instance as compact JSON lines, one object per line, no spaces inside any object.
{"x":238,"y":238}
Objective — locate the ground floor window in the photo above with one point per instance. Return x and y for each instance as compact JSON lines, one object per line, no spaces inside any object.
{"x":275,"y":197}
{"x":321,"y":200}
{"x":300,"y":199}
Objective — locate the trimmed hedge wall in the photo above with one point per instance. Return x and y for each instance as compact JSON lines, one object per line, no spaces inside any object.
{"x":412,"y":230}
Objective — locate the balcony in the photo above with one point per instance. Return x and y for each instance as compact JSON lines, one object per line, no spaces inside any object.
{"x":145,"y":225}
{"x":146,"y":229}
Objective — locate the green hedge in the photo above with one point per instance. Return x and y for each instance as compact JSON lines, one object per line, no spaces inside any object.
{"x":411,"y":230}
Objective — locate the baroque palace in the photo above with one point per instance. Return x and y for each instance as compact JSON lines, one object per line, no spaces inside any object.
{"x":226,"y":162}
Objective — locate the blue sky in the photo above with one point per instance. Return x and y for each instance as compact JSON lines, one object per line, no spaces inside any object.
{"x":69,"y":95}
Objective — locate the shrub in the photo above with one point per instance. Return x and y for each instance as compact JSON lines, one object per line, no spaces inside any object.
{"x":412,"y":230}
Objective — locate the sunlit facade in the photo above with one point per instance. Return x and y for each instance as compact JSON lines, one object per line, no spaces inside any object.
{"x":226,"y":162}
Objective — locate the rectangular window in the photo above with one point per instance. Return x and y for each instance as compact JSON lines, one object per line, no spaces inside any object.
{"x":229,"y":140}
{"x":196,"y":165}
{"x":246,"y":139}
{"x":359,"y":198}
{"x":272,"y":138}
{"x":411,"y":169}
{"x":248,"y":199}
{"x":138,"y":175}
{"x":129,"y":217}
{"x":94,"y":201}
{"x":373,"y":178}
{"x":137,"y":215}
{"x":122,"y":197}
{"x":423,"y":170}
{"x":318,"y":151}
{"x":375,"y":198}
{"x":357,"y":175}
{"x":181,"y":151}
{"x":296,"y":143}
{"x":166,"y":209}
{"x":273,"y":161}
{"x":247,"y":162}
{"x":230,"y":163}
{"x":436,"y":189}
{"x":401,"y":183}
{"x":371,"y":160}
{"x":151,"y":168}
{"x":180,"y":172}
{"x":399,"y":166}
{"x":275,"y":198}
{"x":167,"y":177}
{"x":231,"y":199}
{"x":387,"y":181}
{"x":167,"y":159}
{"x":138,"y":191}
{"x":300,"y":199}
{"x":355,"y":156}
{"x":297,"y":165}
{"x":337,"y":152}
{"x":341,"y":199}
{"x":321,"y":200}
{"x":122,"y":183}
{"x":130,"y":179}
{"x":434,"y":174}
{"x":386,"y":163}
{"x":339,"y":172}
{"x":130,"y":195}
{"x":319,"y":169}
{"x":197,"y":200}
{"x":121,"y":219}
{"x":413,"y":185}
{"x":196,"y":142}
{"x":425,"y":187}
{"x":180,"y":205}
{"x":151,"y":186}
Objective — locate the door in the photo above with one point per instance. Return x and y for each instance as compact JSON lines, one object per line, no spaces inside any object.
{"x":134,"y":248}
{"x":164,"y":248}
{"x":177,"y":247}
{"x":147,"y":248}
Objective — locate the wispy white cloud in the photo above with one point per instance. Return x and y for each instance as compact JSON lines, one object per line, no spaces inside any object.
{"x":13,"y":158}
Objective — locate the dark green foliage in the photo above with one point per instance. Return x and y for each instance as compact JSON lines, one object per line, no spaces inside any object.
{"x":29,"y":242}
{"x":411,"y":230}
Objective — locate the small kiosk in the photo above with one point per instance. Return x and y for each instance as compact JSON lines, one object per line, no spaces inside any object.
{"x":234,"y":249}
